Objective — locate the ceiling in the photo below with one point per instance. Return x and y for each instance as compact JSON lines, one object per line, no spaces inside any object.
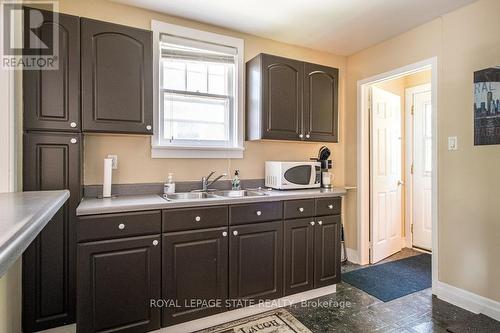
{"x":342,"y":27}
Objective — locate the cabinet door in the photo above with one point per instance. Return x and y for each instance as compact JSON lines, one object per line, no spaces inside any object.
{"x":51,"y":98}
{"x":327,"y":251}
{"x":321,"y":103}
{"x":194,"y":270}
{"x":51,"y":162}
{"x":256,"y":261}
{"x":282,"y":81}
{"x":299,"y":255}
{"x":117,"y":280}
{"x":117,"y":91}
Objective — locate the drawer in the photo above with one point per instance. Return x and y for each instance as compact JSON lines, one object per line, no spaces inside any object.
{"x":328,"y":206}
{"x":194,"y":218}
{"x":108,"y":226}
{"x":256,"y":212}
{"x":298,"y":208}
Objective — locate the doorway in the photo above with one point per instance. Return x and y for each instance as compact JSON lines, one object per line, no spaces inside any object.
{"x":397,"y":163}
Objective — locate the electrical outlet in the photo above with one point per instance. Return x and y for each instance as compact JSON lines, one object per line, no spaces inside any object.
{"x":115,"y":161}
{"x":452,"y":143}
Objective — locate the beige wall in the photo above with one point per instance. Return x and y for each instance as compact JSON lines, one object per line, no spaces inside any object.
{"x":464,"y":41}
{"x":134,"y":152}
{"x":10,"y":300}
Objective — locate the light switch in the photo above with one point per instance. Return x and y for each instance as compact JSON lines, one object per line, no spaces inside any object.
{"x":452,"y":143}
{"x":115,"y":161}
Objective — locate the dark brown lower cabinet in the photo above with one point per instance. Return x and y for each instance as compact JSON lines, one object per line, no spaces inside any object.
{"x":194,"y":274}
{"x":256,"y":261}
{"x":117,"y":280}
{"x":327,"y":251}
{"x":299,"y":255}
{"x":51,"y":161}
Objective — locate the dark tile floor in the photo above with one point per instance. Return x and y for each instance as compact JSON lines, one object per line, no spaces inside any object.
{"x":352,"y":310}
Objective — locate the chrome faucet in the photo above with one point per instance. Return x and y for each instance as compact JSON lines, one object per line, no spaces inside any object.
{"x":205,"y":184}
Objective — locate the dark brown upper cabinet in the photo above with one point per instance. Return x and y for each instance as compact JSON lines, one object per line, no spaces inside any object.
{"x":117,"y":281}
{"x":194,"y":268}
{"x":117,"y":78}
{"x":321,"y":103}
{"x":52,"y":161}
{"x":51,"y":98}
{"x":291,"y":100}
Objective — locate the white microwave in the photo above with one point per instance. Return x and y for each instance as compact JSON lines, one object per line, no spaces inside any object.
{"x":292,"y":175}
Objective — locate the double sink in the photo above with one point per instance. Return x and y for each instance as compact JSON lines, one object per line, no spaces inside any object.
{"x":214,"y":194}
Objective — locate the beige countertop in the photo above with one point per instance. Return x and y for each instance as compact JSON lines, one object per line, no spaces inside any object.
{"x":23,"y":216}
{"x":92,"y":206}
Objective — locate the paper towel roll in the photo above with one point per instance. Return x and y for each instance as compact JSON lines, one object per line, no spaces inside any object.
{"x":108,"y":175}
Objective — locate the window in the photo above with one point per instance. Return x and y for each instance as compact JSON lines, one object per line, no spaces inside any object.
{"x":199,"y":86}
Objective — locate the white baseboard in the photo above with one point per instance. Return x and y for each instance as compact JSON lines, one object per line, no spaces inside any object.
{"x":218,"y":319}
{"x":467,"y":300}
{"x":352,"y":255}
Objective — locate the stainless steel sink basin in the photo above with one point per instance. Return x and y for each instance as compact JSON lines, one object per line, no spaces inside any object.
{"x":238,"y":194}
{"x":189,"y":196}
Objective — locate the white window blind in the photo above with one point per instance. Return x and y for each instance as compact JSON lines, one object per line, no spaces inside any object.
{"x":197,"y":93}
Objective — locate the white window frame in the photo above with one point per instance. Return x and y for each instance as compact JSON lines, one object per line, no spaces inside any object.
{"x":202,"y":150}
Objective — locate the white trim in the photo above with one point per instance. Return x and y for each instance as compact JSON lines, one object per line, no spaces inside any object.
{"x":222,"y":318}
{"x":467,"y":300}
{"x":409,"y":92}
{"x":201,"y":152}
{"x":363,"y":198}
{"x":352,"y":255}
{"x":7,"y":131}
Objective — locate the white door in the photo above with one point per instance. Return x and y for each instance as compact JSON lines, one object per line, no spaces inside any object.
{"x":422,"y":167}
{"x":385,"y":174}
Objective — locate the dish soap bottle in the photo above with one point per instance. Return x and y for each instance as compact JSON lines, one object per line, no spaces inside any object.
{"x":169,"y":186}
{"x":235,"y":183}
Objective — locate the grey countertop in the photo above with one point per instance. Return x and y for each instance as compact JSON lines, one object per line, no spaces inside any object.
{"x":91,"y":206}
{"x":23,"y":216}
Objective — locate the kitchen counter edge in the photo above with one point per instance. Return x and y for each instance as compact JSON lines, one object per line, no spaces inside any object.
{"x":95,"y":206}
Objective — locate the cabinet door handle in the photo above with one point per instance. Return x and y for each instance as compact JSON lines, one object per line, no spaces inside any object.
{"x":197,"y":219}
{"x":308,"y":136}
{"x":155,"y":242}
{"x":320,"y":222}
{"x":224,"y":234}
{"x":259,"y":213}
{"x":330,"y":206}
{"x":301,"y":136}
{"x":301,"y":209}
{"x":149,"y":127}
{"x":72,"y":124}
{"x":121,"y":226}
{"x":73,"y":140}
{"x":235,"y":233}
{"x":311,"y":223}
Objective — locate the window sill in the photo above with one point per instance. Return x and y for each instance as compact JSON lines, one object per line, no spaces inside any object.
{"x":196,"y":152}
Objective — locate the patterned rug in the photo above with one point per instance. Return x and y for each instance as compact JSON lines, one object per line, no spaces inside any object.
{"x":277,"y":321}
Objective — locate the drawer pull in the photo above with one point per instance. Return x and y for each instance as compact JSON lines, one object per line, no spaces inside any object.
{"x":235,"y":233}
{"x":259,"y":213}
{"x":197,"y":219}
{"x":311,"y":223}
{"x":320,"y":222}
{"x":72,"y":124}
{"x":121,"y":226}
{"x":301,"y":209}
{"x":330,"y":206}
{"x":148,"y":127}
{"x":224,"y":234}
{"x":155,"y":242}
{"x":73,"y":140}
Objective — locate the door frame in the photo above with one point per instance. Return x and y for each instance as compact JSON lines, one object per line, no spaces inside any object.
{"x":363,"y":158}
{"x":409,"y":158}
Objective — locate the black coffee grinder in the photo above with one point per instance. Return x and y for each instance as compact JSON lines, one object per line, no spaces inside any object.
{"x":326,"y":165}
